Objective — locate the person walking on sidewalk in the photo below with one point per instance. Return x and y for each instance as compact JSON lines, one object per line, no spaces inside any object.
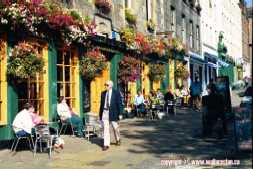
{"x":110,"y":109}
{"x":195,"y":92}
{"x":214,"y":107}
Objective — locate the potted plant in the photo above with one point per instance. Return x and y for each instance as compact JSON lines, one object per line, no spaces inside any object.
{"x":130,"y":17}
{"x":151,"y":25}
{"x":104,"y":5}
{"x":92,"y":64}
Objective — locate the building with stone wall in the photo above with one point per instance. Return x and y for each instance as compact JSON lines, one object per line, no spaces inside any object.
{"x":216,"y":17}
{"x":244,"y":66}
{"x":181,"y":18}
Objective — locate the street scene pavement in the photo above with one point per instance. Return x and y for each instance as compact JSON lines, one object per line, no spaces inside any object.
{"x":173,"y":142}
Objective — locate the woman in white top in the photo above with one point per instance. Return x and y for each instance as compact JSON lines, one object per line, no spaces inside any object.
{"x":66,"y":114}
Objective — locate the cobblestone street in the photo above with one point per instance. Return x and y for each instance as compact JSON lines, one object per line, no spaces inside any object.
{"x":144,"y":144}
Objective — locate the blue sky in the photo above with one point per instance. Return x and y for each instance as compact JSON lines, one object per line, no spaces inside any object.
{"x":249,"y":2}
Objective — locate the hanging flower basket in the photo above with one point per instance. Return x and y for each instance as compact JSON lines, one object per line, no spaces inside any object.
{"x":128,"y":35}
{"x":181,"y":72}
{"x":157,"y":72}
{"x":24,"y":62}
{"x":104,"y":5}
{"x":130,"y":18}
{"x":92,"y":64}
{"x":129,"y":69}
{"x":143,"y":43}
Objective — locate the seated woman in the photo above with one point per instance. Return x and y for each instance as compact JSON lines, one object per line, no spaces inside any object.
{"x":66,"y":114}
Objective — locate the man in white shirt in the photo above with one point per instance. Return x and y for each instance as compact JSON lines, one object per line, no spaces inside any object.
{"x":23,"y":123}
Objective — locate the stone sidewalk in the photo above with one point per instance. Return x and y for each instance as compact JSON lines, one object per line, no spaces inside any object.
{"x":144,"y":144}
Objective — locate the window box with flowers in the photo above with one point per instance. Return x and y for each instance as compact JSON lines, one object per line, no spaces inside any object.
{"x":92,"y":64}
{"x":156,"y":72}
{"x":151,"y":25}
{"x":104,"y":5}
{"x":130,"y":17}
{"x":24,"y":62}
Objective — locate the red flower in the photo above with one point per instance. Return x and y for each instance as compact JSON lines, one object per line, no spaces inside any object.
{"x":60,"y":20}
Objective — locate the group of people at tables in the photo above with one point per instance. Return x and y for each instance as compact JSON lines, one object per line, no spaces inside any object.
{"x":141,"y":103}
{"x":27,"y":119}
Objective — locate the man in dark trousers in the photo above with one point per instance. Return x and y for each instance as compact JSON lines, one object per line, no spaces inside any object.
{"x":169,"y":101}
{"x":214,"y":107}
{"x":110,"y":109}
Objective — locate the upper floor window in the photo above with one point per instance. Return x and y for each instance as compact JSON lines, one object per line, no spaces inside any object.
{"x":149,"y":9}
{"x":191,"y":34}
{"x":183,"y":29}
{"x":128,"y":3}
{"x":173,"y":20}
{"x":198,"y":38}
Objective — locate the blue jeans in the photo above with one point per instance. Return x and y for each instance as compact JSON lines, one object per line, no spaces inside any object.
{"x":22,"y":133}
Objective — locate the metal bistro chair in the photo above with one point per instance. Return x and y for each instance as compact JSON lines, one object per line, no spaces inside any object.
{"x":64,"y":126}
{"x":90,"y":126}
{"x":42,"y":135}
{"x":170,"y":108}
{"x":29,"y":139}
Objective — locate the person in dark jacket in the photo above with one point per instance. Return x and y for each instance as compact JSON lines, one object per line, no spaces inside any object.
{"x":110,"y":109}
{"x":195,"y":92}
{"x":214,"y":107}
{"x":169,"y":101}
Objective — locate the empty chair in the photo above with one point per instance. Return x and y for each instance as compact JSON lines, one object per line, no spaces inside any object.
{"x":42,"y":135}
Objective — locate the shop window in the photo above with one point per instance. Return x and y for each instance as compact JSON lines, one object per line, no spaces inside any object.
{"x":66,"y":76}
{"x":33,"y":90}
{"x":3,"y":82}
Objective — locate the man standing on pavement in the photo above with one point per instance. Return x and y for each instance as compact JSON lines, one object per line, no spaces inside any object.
{"x":110,"y":109}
